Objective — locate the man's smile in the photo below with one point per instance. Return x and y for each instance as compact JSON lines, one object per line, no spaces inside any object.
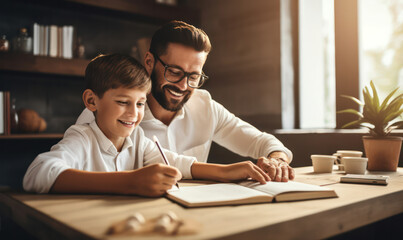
{"x":176,"y":94}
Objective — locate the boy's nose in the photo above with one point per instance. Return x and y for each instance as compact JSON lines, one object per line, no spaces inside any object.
{"x":133,"y":111}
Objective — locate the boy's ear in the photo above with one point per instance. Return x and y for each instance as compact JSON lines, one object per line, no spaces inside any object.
{"x":89,"y":99}
{"x":149,"y":62}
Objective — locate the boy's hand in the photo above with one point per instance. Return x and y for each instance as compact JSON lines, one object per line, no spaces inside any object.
{"x":244,"y":170}
{"x":277,"y":169}
{"x":153,"y":180}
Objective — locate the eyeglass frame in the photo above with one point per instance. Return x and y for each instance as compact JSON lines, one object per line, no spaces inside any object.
{"x":203,"y":77}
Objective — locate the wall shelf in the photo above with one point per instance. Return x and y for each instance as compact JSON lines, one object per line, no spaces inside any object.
{"x":33,"y":136}
{"x":144,"y":8}
{"x":39,"y":64}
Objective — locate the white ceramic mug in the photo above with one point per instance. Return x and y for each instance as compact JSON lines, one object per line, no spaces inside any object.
{"x":323,"y":163}
{"x":355,"y":165}
{"x":347,"y":153}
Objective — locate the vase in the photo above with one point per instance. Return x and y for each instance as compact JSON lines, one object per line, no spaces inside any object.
{"x":382,"y":153}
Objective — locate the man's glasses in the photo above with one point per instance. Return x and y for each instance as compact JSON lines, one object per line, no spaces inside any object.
{"x":175,"y":74}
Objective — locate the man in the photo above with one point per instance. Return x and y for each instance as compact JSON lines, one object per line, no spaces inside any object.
{"x":184,"y":118}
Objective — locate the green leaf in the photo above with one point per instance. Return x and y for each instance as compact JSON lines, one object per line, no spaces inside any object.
{"x":376,"y":98}
{"x":397,"y":124}
{"x":368,"y":101}
{"x":394,"y":105}
{"x":354,"y":99}
{"x":353,"y":111}
{"x":393,"y":126}
{"x":387,"y":98}
{"x":353,"y":123}
{"x":392,"y":116}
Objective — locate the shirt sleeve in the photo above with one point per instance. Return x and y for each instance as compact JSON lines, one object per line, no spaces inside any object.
{"x":241,"y":137}
{"x":44,"y":170}
{"x":152,"y":156}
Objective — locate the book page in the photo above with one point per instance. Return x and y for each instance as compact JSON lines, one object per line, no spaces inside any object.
{"x":275,"y":188}
{"x":214,"y":193}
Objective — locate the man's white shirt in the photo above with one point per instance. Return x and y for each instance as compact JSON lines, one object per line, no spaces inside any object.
{"x":85,"y":147}
{"x":201,"y":121}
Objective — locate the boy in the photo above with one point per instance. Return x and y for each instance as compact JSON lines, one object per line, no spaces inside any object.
{"x":108,"y":154}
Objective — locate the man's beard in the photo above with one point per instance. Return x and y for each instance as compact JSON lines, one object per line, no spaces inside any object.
{"x":172,"y":105}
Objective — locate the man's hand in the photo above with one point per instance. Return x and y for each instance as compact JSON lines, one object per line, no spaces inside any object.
{"x":276,"y":166}
{"x":153,"y":180}
{"x":244,"y":170}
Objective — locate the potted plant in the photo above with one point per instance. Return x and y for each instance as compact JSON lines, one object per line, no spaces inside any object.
{"x":381,"y":149}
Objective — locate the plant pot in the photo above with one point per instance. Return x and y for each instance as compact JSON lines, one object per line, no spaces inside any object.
{"x":382,"y":153}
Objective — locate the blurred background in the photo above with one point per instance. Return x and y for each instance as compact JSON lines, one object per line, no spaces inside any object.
{"x":280,"y":65}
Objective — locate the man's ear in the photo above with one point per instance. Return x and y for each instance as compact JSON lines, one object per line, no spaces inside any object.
{"x":89,"y":99}
{"x":149,"y":62}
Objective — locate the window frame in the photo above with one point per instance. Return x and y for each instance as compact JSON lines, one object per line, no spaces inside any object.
{"x":346,"y":58}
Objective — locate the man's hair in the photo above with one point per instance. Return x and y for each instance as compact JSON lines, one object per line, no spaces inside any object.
{"x":182,"y":33}
{"x":112,"y":71}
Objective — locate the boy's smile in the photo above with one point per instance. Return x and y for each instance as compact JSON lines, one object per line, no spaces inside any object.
{"x":119,"y":111}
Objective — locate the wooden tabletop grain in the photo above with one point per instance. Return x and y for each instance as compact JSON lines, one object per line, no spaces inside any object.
{"x":55,"y":216}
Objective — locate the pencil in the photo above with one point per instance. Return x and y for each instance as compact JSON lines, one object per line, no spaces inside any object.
{"x":162,"y":154}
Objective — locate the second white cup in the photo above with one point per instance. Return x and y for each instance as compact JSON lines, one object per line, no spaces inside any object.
{"x":347,"y":153}
{"x":355,"y":165}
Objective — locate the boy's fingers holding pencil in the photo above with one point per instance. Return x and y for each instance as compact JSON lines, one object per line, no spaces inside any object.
{"x":153,"y":180}
{"x":171,"y":171}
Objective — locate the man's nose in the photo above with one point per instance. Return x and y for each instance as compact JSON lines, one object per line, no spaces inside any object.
{"x":183,"y":84}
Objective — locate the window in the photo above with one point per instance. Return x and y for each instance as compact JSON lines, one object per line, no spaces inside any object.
{"x":317,"y":64}
{"x":381,"y":44}
{"x":343,"y":45}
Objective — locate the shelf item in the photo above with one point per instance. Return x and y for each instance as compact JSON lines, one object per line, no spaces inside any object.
{"x":39,"y":64}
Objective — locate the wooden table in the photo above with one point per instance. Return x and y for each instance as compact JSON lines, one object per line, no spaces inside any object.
{"x":88,"y":216}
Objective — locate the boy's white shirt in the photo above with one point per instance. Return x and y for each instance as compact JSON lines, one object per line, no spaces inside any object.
{"x":85,"y":147}
{"x":201,"y":121}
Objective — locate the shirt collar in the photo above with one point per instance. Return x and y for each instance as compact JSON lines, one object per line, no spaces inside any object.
{"x":148,"y":115}
{"x":104,"y":142}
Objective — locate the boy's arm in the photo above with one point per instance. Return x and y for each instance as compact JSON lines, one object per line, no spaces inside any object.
{"x":230,"y":172}
{"x":152,"y":181}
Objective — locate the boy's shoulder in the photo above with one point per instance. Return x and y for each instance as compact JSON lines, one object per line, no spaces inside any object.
{"x":79,"y":131}
{"x":84,"y":128}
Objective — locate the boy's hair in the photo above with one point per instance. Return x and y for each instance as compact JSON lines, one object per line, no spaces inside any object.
{"x":112,"y":71}
{"x":182,"y":33}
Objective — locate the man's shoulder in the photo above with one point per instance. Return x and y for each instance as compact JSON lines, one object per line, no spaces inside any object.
{"x":200,"y":95}
{"x":203,"y":98}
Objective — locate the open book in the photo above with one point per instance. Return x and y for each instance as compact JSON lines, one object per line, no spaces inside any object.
{"x":247,"y":192}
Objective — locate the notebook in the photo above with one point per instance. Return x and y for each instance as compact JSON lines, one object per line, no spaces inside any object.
{"x":246,"y":192}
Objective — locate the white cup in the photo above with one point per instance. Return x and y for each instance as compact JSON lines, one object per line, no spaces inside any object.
{"x":323,"y":163}
{"x":355,"y":165}
{"x":347,"y":153}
